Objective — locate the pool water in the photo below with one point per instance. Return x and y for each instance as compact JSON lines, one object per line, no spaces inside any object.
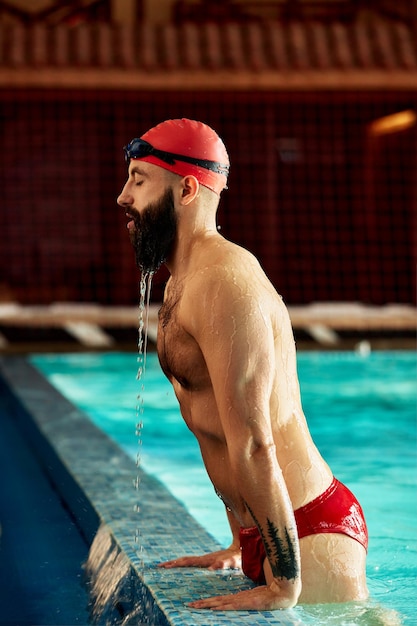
{"x":362,"y":415}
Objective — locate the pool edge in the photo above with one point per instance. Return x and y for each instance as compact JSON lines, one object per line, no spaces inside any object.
{"x":95,"y":478}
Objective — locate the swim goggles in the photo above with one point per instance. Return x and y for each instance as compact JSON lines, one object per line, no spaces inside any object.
{"x":139,"y":148}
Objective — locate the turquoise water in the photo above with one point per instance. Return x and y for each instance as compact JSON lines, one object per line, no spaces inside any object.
{"x":361,"y":412}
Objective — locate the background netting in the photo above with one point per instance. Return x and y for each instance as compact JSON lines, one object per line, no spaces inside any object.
{"x":317,"y":192}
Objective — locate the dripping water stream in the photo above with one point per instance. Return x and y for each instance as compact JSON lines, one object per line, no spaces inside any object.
{"x":145,"y":286}
{"x":114,"y":599}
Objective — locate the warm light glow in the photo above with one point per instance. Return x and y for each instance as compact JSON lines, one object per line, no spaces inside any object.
{"x":393,"y":123}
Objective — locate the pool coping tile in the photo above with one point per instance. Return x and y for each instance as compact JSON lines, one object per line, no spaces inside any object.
{"x":95,"y":478}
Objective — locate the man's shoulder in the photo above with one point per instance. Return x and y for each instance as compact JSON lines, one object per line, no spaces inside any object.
{"x":226,"y":258}
{"x":226,"y":273}
{"x":224,"y":270}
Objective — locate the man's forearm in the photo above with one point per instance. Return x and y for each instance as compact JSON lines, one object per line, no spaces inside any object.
{"x":234,"y":527}
{"x":266,"y":498}
{"x":281,"y":547}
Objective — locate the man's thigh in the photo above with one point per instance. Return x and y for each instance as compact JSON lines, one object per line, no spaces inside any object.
{"x":333,"y":569}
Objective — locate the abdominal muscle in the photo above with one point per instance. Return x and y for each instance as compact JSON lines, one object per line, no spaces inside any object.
{"x":197,"y":409}
{"x":305,"y":472}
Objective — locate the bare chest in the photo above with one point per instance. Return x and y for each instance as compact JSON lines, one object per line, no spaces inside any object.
{"x":179,"y":354}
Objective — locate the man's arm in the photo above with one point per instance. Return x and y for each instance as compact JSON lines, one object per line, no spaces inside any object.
{"x":232,"y":325}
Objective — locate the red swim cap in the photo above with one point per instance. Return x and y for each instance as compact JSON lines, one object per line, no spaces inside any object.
{"x":203,"y":152}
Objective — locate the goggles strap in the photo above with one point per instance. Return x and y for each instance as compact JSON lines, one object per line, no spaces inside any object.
{"x":143,"y":148}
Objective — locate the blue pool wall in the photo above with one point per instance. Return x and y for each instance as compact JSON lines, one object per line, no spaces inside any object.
{"x":95,"y":479}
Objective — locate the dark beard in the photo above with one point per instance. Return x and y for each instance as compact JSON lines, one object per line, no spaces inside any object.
{"x":154,"y":233}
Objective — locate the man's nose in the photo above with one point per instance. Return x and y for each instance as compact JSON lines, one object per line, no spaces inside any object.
{"x":125,"y":199}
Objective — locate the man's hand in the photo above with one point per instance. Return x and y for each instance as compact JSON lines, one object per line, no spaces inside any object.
{"x":264,"y":598}
{"x":229,"y":558}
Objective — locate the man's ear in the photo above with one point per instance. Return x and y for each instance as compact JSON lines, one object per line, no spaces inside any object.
{"x":189,"y":189}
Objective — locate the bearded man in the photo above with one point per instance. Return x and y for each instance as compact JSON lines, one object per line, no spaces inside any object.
{"x":226,"y":344}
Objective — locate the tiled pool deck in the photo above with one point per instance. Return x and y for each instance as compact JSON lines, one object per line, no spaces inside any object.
{"x":95,"y":479}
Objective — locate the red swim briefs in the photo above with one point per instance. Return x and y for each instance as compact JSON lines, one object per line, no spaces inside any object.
{"x":334,"y":511}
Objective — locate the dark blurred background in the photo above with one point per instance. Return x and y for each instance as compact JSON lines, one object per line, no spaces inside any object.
{"x":315,"y":100}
